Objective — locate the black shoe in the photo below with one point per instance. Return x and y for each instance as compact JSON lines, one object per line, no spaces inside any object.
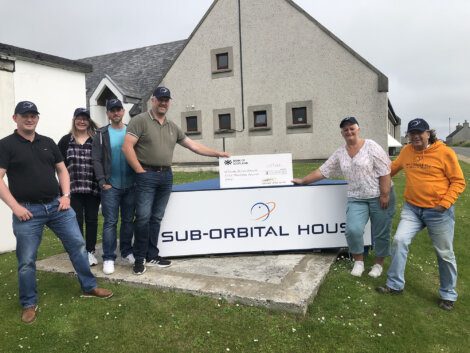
{"x":161,"y":262}
{"x":139,"y":268}
{"x":446,"y":304}
{"x":387,"y":290}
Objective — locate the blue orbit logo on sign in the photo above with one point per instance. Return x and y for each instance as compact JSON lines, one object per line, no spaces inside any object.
{"x":261,"y":211}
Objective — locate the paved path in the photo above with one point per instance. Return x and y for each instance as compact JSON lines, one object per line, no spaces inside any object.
{"x":464,"y":151}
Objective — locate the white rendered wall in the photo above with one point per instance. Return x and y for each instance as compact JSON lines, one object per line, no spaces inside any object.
{"x":7,"y":106}
{"x":286,"y":58}
{"x":56,"y":92}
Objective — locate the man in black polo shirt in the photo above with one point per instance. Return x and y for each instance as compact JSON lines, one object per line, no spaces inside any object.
{"x":31,"y":162}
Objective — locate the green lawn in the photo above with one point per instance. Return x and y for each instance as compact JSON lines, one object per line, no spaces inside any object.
{"x":346,"y":316}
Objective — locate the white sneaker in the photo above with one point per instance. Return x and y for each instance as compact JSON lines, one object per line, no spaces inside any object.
{"x":108,"y":267}
{"x":358,"y":268}
{"x":376,"y":271}
{"x":130,"y":258}
{"x":92,"y":260}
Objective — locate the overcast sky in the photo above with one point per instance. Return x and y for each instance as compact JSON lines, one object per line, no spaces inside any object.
{"x":423,"y":46}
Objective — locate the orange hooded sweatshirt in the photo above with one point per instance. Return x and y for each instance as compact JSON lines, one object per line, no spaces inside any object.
{"x":433,"y":176}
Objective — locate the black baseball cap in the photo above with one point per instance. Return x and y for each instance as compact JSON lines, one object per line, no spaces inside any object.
{"x":417,"y":125}
{"x":348,"y":120}
{"x":81,"y":111}
{"x":113,"y":103}
{"x":24,"y":107}
{"x":162,"y":92}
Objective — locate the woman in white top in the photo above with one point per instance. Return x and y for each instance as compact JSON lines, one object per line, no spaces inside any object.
{"x":366,"y":167}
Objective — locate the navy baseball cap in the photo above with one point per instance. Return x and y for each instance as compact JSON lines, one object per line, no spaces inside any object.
{"x":26,"y":107}
{"x":348,"y":120}
{"x":113,"y":103}
{"x":162,"y":92}
{"x":81,"y":111}
{"x":417,"y":125}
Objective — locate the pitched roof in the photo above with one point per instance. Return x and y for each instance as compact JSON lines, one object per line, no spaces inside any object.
{"x":382,"y":84}
{"x":453,"y":133}
{"x":135,"y":71}
{"x":43,"y":59}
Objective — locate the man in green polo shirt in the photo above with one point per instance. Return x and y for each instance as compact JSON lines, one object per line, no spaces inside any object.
{"x":148,"y":146}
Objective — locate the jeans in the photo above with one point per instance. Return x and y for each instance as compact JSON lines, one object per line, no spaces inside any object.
{"x":88,"y":205}
{"x":441,"y":231}
{"x":28,"y":238}
{"x":111,"y":201}
{"x":358,"y":212}
{"x":153,"y":191}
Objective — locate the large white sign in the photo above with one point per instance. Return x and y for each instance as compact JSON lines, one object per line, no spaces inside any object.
{"x":256,"y":170}
{"x":257,"y":219}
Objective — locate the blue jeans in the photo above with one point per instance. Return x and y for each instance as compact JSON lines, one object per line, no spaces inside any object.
{"x":153,"y":191}
{"x":113,"y":200}
{"x":358,"y":212}
{"x":441,"y":231}
{"x":28,"y":238}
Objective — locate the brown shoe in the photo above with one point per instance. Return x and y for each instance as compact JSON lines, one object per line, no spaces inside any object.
{"x":98,"y":293}
{"x":28,"y":316}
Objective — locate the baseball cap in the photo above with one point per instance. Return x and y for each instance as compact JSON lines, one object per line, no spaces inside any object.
{"x":24,"y":107}
{"x":348,"y":120}
{"x":418,"y":125}
{"x":113,"y":103}
{"x":81,"y":111}
{"x":162,"y":92}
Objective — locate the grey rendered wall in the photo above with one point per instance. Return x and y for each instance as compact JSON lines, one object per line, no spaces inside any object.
{"x":286,"y":58}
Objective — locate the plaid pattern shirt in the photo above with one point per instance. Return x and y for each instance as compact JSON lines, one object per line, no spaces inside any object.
{"x":80,"y":167}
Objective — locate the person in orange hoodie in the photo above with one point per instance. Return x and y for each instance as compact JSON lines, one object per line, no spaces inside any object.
{"x":434,"y":181}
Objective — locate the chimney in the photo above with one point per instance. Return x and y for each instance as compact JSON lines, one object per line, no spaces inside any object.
{"x":465,"y":124}
{"x":458,"y":127}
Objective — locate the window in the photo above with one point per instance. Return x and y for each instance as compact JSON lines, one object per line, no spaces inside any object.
{"x":299,"y":115}
{"x":222,"y":61}
{"x":260,"y":118}
{"x":191,"y":123}
{"x":224,"y":122}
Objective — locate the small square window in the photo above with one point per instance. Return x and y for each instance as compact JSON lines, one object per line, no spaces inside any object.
{"x":299,"y":115}
{"x":225,"y":122}
{"x":222,"y":61}
{"x":191,"y":123}
{"x":260,"y":118}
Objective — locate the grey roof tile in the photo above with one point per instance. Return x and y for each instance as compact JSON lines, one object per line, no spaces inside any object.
{"x":135,"y":71}
{"x":43,"y":58}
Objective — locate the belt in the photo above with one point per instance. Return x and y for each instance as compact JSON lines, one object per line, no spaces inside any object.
{"x":156,"y":168}
{"x":47,"y":200}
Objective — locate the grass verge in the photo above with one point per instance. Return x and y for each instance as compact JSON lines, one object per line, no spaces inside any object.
{"x":346,"y":316}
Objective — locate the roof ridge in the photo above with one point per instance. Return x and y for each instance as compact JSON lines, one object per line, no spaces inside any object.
{"x":129,"y":50}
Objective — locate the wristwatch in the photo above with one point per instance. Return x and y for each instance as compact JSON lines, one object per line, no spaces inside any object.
{"x":67,"y":195}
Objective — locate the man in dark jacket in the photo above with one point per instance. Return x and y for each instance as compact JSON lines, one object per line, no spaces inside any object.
{"x":116,"y":180}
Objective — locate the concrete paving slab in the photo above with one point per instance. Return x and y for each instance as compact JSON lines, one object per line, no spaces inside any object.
{"x":287,"y":282}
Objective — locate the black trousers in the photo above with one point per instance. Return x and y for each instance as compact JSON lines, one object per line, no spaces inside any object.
{"x":86,"y":206}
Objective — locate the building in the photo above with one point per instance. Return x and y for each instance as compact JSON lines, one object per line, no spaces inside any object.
{"x":129,"y":76}
{"x":55,"y":84}
{"x":460,"y":135}
{"x":255,"y":77}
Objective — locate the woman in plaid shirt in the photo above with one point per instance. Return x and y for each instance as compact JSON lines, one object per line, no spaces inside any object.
{"x":85,"y":195}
